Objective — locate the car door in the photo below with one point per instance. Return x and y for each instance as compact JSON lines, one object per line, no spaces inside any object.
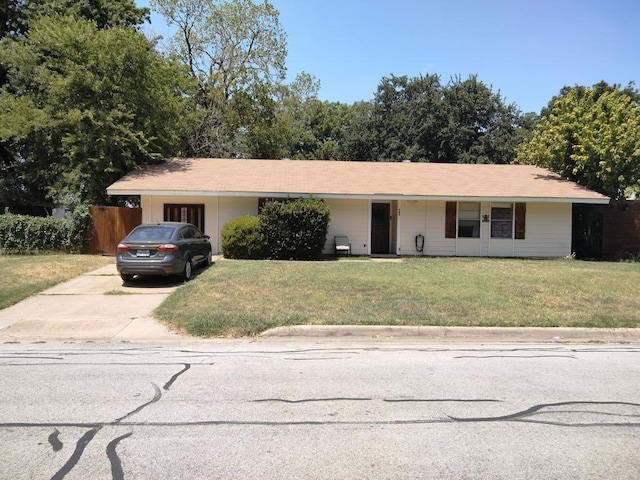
{"x":198,"y":244}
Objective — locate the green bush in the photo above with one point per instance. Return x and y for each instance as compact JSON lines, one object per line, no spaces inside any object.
{"x":242,"y":239}
{"x":27,"y":234}
{"x":295,"y":229}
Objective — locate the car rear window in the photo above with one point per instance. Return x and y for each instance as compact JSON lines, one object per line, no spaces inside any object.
{"x":151,"y":232}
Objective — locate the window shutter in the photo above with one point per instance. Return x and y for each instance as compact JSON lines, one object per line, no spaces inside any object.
{"x":450,"y":220}
{"x":521,"y":215}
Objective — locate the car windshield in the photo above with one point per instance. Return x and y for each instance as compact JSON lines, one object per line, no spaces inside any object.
{"x":151,"y":232}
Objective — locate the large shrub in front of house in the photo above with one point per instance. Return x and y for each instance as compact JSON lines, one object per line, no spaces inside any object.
{"x":27,"y":234}
{"x":295,"y":229}
{"x":284,"y":230}
{"x":242,"y":238}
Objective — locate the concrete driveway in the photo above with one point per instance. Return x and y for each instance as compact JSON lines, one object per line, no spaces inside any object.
{"x":93,"y":306}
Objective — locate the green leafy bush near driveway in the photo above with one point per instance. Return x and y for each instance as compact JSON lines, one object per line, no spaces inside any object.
{"x":284,"y":230}
{"x":242,"y":238}
{"x":295,"y":229}
{"x":27,"y":234}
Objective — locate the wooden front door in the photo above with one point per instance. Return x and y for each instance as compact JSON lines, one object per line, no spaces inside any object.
{"x":380,"y":224}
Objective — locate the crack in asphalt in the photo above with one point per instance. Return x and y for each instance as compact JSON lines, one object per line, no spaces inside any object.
{"x":81,"y":444}
{"x":117,"y":472}
{"x":517,"y":356}
{"x":175,"y":377}
{"x":156,"y":397}
{"x":307,"y":400}
{"x":54,"y":441}
{"x":116,"y":465}
{"x":443,"y":400}
{"x":535,"y":409}
{"x":529,"y":415}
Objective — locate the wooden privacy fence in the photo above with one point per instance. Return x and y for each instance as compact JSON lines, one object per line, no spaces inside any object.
{"x":110,"y":225}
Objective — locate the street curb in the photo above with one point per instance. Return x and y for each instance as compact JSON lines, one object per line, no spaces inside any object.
{"x":465,"y":334}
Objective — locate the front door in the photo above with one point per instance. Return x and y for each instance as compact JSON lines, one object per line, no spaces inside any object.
{"x":380,"y":216}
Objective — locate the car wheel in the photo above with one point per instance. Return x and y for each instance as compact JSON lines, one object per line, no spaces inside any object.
{"x":188,"y":271}
{"x":126,"y":277}
{"x":209,"y":259}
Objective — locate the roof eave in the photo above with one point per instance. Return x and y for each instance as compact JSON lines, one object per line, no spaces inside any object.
{"x":365,"y":196}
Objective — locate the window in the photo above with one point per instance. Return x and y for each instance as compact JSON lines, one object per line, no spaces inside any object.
{"x":501,"y":220}
{"x":469,"y":220}
{"x":190,"y":213}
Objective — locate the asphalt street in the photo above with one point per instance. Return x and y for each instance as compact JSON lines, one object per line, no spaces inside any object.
{"x":319,"y":409}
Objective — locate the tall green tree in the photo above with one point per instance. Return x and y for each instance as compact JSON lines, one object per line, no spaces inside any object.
{"x":15,"y":15}
{"x":421,"y":120}
{"x":235,"y":50}
{"x":358,"y":141}
{"x":83,"y":106}
{"x":590,"y":135}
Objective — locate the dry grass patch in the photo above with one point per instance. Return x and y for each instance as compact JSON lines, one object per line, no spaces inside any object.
{"x":245,"y":298}
{"x":25,"y":275}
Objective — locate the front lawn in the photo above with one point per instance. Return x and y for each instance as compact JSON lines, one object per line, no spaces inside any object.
{"x":25,"y":275}
{"x":235,"y":298}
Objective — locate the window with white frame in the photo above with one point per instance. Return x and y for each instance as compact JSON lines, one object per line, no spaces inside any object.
{"x":501,"y":220}
{"x":469,"y":220}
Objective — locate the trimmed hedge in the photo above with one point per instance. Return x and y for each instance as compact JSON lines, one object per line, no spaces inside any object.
{"x":284,"y":230}
{"x":295,"y":229}
{"x":27,"y":234}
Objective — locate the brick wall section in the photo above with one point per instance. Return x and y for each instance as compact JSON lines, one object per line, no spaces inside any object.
{"x":621,"y":229}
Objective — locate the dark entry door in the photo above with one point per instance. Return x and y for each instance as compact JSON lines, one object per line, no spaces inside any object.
{"x":380,"y":213}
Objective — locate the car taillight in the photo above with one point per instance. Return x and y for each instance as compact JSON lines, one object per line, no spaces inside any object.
{"x":167,"y":247}
{"x":122,"y":247}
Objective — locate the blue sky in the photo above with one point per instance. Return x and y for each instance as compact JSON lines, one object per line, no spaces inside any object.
{"x":527,"y":50}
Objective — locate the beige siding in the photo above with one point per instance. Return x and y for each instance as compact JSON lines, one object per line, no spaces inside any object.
{"x":412,"y":222}
{"x":548,"y":231}
{"x":350,"y":218}
{"x":435,"y":243}
{"x":426,"y":218}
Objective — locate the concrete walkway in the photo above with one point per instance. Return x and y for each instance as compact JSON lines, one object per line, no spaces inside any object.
{"x":93,"y":306}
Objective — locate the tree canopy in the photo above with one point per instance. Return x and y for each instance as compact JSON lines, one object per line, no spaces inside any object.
{"x":464,"y":121}
{"x":235,"y":50}
{"x":80,"y":107}
{"x":85,"y":98}
{"x":590,"y":135}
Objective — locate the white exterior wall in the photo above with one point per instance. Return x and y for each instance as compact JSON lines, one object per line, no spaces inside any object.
{"x":547,"y":231}
{"x":412,"y":221}
{"x":428,"y":219}
{"x":350,"y":218}
{"x":548,"y":226}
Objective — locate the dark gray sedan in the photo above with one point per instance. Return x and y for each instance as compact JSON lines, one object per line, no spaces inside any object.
{"x":167,"y":248}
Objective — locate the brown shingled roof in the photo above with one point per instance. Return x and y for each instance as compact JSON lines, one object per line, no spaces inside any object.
{"x":213,"y":176}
